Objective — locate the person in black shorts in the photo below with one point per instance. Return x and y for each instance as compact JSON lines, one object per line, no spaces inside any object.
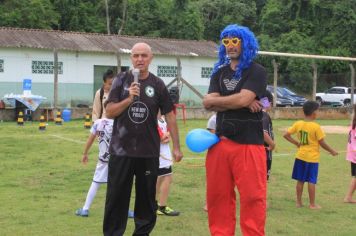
{"x":135,"y":143}
{"x":239,"y":159}
{"x":268,"y":135}
{"x":165,"y":173}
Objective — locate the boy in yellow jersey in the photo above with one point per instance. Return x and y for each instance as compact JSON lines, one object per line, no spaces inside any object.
{"x":310,"y":137}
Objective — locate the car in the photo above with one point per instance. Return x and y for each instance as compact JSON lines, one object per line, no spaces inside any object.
{"x":282,"y":102}
{"x":335,"y":96}
{"x":286,"y":96}
{"x":289,"y":94}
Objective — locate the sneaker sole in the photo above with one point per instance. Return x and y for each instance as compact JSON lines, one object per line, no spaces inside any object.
{"x":82,"y":215}
{"x":77,"y":213}
{"x":164,"y":214}
{"x":172,"y":215}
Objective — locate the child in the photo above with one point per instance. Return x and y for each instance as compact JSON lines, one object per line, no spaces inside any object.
{"x":102,"y":128}
{"x":351,"y":157}
{"x":211,"y":126}
{"x":310,"y":137}
{"x":268,"y":131}
{"x":164,"y":179}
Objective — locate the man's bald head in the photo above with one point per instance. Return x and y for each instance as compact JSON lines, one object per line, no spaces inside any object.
{"x":141,"y":57}
{"x":141,"y":47}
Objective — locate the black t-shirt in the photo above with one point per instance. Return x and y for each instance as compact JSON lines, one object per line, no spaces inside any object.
{"x":135,"y":131}
{"x":240,"y":125}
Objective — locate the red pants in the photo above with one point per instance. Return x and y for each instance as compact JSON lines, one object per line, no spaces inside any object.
{"x":228,"y":164}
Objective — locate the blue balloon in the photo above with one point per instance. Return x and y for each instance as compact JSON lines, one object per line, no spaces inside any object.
{"x":198,"y":140}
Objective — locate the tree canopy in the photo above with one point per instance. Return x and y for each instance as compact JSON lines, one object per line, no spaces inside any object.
{"x":324,"y":27}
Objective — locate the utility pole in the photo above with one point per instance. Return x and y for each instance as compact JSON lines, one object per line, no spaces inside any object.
{"x":352,"y":68}
{"x":315,"y":79}
{"x":275,"y":78}
{"x":55,"y":83}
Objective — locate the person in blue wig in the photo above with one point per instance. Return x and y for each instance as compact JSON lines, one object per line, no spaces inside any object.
{"x":239,"y":159}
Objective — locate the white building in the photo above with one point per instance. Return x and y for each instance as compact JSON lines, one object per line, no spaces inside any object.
{"x":83,"y":57}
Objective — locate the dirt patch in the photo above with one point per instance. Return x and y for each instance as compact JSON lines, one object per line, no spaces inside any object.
{"x":330,"y":129}
{"x":335,"y":129}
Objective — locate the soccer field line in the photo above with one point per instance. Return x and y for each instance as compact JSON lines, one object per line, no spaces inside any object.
{"x":185,"y":158}
{"x":274,"y":155}
{"x":67,"y":139}
{"x":203,"y":158}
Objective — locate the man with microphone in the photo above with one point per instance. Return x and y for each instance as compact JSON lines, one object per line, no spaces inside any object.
{"x":134,"y":101}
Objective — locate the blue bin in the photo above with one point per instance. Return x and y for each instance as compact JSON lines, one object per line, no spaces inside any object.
{"x":66,"y":114}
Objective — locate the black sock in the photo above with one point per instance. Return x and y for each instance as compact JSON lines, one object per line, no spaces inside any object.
{"x":162,"y":207}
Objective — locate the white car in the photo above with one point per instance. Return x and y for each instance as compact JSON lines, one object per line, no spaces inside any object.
{"x":337,"y":96}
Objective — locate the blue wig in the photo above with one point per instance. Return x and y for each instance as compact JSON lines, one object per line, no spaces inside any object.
{"x":249,"y":49}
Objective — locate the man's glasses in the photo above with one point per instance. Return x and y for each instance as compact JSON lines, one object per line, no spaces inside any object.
{"x":231,"y":42}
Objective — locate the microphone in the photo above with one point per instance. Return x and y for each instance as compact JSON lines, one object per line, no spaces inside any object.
{"x":136,"y":73}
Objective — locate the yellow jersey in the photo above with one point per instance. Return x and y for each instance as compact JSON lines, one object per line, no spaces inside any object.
{"x":309,"y":134}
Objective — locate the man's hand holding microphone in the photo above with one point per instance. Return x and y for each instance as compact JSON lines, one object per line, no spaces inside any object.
{"x":134,"y":89}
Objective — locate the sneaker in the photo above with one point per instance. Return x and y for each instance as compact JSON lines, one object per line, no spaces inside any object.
{"x":167,"y":211}
{"x":82,"y":212}
{"x":131,"y":214}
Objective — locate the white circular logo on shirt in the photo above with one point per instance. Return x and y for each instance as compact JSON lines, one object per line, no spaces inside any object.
{"x":138,"y":112}
{"x":150,"y":91}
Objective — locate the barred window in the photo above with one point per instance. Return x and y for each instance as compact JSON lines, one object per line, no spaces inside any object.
{"x":206,"y":72}
{"x":1,"y":65}
{"x":167,"y":71}
{"x":45,"y":67}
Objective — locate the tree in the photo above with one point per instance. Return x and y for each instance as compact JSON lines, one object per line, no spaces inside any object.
{"x":184,"y":21}
{"x":313,"y":27}
{"x":145,"y":18}
{"x":219,"y":13}
{"x":38,"y":14}
{"x":84,"y":15}
{"x":118,"y":15}
{"x":107,"y":16}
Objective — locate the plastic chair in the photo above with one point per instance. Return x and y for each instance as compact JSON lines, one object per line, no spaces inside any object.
{"x":183,"y":107}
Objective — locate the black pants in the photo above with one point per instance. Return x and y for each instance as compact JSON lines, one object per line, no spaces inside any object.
{"x":269,"y":162}
{"x":120,"y":178}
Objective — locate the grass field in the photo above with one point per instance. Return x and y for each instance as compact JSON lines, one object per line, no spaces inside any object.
{"x":43,"y":182}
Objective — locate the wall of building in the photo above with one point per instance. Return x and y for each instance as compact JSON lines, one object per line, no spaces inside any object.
{"x":76,"y":81}
{"x":192,"y":73}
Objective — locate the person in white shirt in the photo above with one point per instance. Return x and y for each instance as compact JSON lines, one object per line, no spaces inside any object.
{"x":102,"y":130}
{"x":165,"y":173}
